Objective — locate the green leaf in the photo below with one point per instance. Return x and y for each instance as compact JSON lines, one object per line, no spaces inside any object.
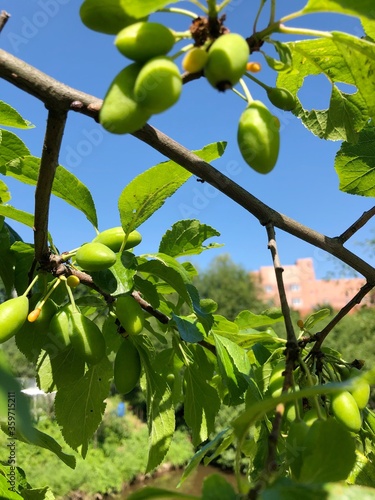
{"x":11,"y":147}
{"x":285,"y":489}
{"x":369,"y":28}
{"x":38,"y":494}
{"x":43,"y":440}
{"x":14,"y":404}
{"x":175,"y":278}
{"x":363,"y":472}
{"x":342,"y":58}
{"x":216,"y":486}
{"x":6,"y":259}
{"x":150,"y":492}
{"x":186,"y":238}
{"x":187,"y":328}
{"x":285,"y":62}
{"x":11,"y":118}
{"x":60,"y":369}
{"x":355,"y":164}
{"x":202,"y":404}
{"x":119,"y":278}
{"x":160,"y":410}
{"x":247,"y":319}
{"x":83,"y":403}
{"x":329,"y":455}
{"x":200,"y":454}
{"x":148,"y":191}
{"x":315,"y":318}
{"x":4,"y":193}
{"x":142,"y":8}
{"x":234,"y":367}
{"x":5,"y":492}
{"x":204,"y":317}
{"x":256,"y":412}
{"x":65,"y":185}
{"x":362,"y":8}
{"x":23,"y":255}
{"x":17,"y":215}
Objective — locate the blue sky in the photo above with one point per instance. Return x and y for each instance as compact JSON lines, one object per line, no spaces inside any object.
{"x":49,"y":35}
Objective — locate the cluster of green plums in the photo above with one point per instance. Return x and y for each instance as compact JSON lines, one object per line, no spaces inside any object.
{"x":346,"y":409}
{"x":100,"y":253}
{"x":345,"y":406}
{"x":55,"y":328}
{"x":152,"y":82}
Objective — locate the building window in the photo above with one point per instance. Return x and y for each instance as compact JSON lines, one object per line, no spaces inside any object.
{"x":294,"y":287}
{"x":296,"y":301}
{"x":268,"y":288}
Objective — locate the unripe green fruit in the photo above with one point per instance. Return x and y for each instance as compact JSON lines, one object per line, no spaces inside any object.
{"x":127,"y":367}
{"x":295,"y":446}
{"x":158,"y":85}
{"x":41,"y":324}
{"x":258,"y":137}
{"x":106,"y":16}
{"x":346,"y":411}
{"x":361,"y":392}
{"x":170,"y":380}
{"x":310,"y":416}
{"x":195,"y":60}
{"x":114,"y":237}
{"x":281,"y":98}
{"x":86,"y":337}
{"x":227,"y":59}
{"x":120,"y":113}
{"x":59,"y":330}
{"x":276,"y":381}
{"x":130,"y":314}
{"x":95,"y":257}
{"x":145,"y":40}
{"x":13,"y":314}
{"x":344,"y":371}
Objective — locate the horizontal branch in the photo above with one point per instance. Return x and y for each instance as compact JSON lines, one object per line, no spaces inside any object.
{"x":56,"y":95}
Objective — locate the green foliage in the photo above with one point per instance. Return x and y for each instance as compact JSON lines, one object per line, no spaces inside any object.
{"x":206,"y":343}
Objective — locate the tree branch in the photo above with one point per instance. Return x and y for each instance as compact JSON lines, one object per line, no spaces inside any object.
{"x":61,"y":97}
{"x":291,"y":336}
{"x":52,"y":142}
{"x":4,"y":16}
{"x":357,"y":225}
{"x":321,"y":336}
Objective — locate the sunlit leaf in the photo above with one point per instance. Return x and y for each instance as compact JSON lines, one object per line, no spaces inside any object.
{"x":355,"y":164}
{"x":11,"y":118}
{"x":342,"y":58}
{"x":65,"y":185}
{"x":186,"y":237}
{"x":148,"y":191}
{"x":83,"y":402}
{"x":362,"y":8}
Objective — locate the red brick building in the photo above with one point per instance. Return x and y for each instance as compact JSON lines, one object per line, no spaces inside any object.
{"x":304,"y":292}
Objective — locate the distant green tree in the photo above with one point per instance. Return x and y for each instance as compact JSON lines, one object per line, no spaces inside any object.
{"x":231,"y":286}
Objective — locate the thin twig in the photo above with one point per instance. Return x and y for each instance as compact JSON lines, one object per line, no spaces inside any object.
{"x":321,"y":336}
{"x":4,"y":16}
{"x":60,"y":96}
{"x":291,"y":336}
{"x":163,"y":318}
{"x":357,"y":225}
{"x":292,"y":351}
{"x":52,"y":142}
